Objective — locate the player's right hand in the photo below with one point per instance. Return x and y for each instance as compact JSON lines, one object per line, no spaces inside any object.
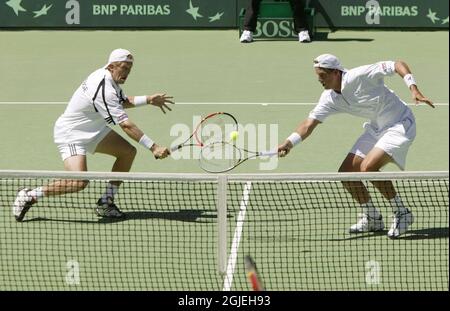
{"x":418,"y":97}
{"x":159,"y":152}
{"x":284,"y":148}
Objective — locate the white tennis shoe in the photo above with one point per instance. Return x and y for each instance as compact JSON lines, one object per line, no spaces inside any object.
{"x":22,"y":204}
{"x":246,"y":37}
{"x":367,"y":224}
{"x":400,"y":223}
{"x":303,"y":36}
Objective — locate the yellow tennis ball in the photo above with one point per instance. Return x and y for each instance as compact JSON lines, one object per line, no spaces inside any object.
{"x":234,"y":135}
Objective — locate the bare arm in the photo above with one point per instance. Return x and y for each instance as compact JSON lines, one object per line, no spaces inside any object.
{"x":129,"y":102}
{"x":402,"y":69}
{"x":158,"y":100}
{"x":131,"y":130}
{"x":304,"y":129}
{"x":136,"y":134}
{"x":307,"y":127}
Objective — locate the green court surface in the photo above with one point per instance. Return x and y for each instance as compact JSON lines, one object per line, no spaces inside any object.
{"x":207,"y":67}
{"x":263,"y":83}
{"x":169,"y":239}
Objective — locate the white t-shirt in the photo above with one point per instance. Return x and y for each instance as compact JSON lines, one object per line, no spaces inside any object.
{"x":95,"y":104}
{"x":364,"y":94}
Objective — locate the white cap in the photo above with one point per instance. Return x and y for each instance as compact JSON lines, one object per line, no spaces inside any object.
{"x":328,"y":61}
{"x":120,"y":55}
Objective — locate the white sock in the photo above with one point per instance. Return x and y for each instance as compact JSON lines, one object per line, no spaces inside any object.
{"x":370,"y":209}
{"x":37,"y":193}
{"x":397,"y":205}
{"x":111,"y":191}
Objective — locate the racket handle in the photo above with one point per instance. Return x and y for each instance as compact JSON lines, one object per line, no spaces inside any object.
{"x":175,"y":148}
{"x":267,"y":153}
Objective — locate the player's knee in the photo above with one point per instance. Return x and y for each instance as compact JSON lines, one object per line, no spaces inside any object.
{"x":128,"y":152}
{"x":82,"y":184}
{"x":367,"y":167}
{"x":132,"y":152}
{"x":343,"y":168}
{"x":348,"y":167}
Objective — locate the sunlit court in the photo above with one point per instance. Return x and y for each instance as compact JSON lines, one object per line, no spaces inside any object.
{"x":209,"y":162}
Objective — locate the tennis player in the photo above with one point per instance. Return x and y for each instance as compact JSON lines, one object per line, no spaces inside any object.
{"x":387,"y":136}
{"x":84,"y":128}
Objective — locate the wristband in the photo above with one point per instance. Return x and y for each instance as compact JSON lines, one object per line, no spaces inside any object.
{"x":409,"y":80}
{"x":140,"y":100}
{"x":146,"y":141}
{"x":295,"y":138}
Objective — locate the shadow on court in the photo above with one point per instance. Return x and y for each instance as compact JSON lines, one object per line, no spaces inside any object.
{"x":429,"y":233}
{"x":323,"y":36}
{"x":180,"y":215}
{"x":45,"y":219}
{"x":421,"y":234}
{"x":197,"y":216}
{"x":318,"y":36}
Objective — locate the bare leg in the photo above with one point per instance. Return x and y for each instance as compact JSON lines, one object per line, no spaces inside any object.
{"x":352,"y":163}
{"x":403,"y":218}
{"x":26,"y":198}
{"x":58,"y":187}
{"x":370,"y":219}
{"x":115,"y":145}
{"x":373,"y":162}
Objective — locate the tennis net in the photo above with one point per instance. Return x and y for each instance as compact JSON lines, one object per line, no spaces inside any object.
{"x":192,"y":232}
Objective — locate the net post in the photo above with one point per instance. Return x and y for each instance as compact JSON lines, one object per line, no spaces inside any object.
{"x":222,"y":182}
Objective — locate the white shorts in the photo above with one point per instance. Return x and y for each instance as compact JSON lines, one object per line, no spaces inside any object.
{"x":395,"y":140}
{"x":69,"y":150}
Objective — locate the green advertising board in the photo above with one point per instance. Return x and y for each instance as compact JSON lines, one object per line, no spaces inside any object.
{"x":118,"y":13}
{"x":334,"y":14}
{"x":275,"y":21}
{"x":403,"y":14}
{"x":275,"y":18}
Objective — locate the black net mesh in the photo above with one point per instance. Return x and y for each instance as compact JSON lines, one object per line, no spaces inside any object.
{"x":296,"y":231}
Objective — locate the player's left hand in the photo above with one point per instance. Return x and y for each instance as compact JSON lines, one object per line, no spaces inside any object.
{"x":160,"y":100}
{"x":418,"y":97}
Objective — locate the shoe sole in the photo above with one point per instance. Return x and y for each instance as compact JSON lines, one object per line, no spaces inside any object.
{"x":104,"y":216}
{"x":22,"y":213}
{"x":108,"y":216}
{"x":24,"y":210}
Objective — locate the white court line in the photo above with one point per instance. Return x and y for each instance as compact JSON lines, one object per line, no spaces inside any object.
{"x":198,"y":104}
{"x":237,"y":238}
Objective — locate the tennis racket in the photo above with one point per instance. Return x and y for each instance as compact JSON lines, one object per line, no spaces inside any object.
{"x":216,"y":126}
{"x":223,"y":156}
{"x":252,"y":274}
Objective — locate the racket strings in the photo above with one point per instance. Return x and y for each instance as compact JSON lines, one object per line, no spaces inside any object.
{"x":219,"y":156}
{"x":217,"y":128}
